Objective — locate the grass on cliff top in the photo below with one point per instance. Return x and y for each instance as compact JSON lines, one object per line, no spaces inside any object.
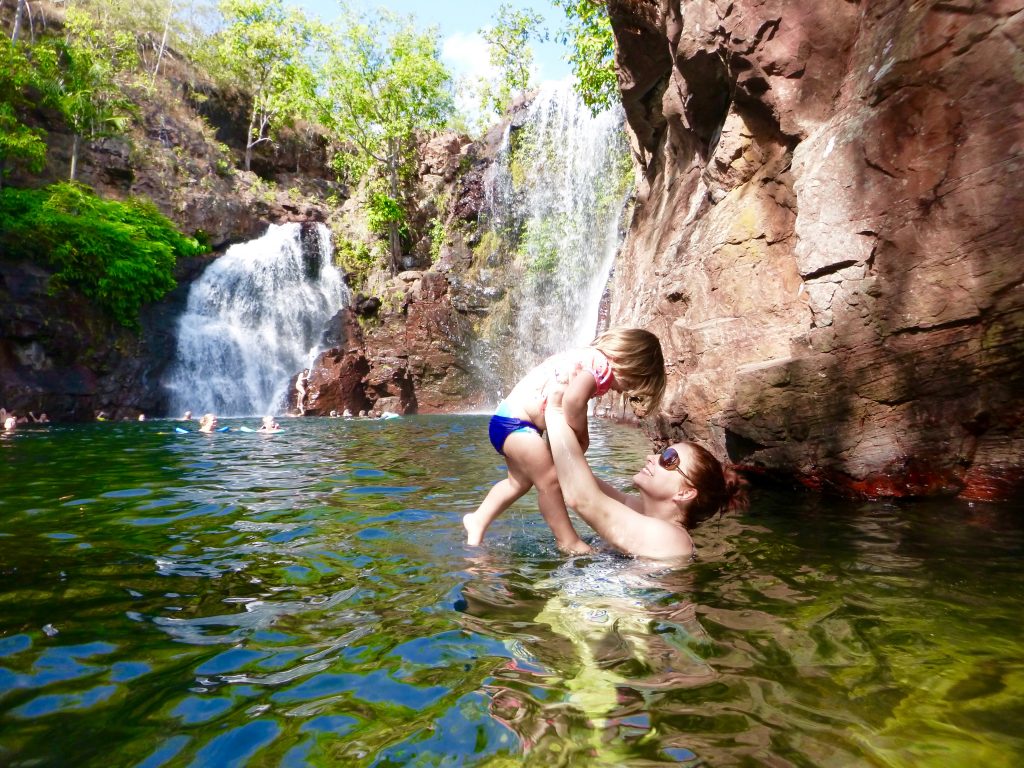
{"x":120,"y":254}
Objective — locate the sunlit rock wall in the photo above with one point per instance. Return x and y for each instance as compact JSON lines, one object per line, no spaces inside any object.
{"x":827,"y":233}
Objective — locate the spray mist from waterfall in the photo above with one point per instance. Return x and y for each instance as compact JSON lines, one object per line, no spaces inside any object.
{"x":254,"y":319}
{"x":555,"y":204}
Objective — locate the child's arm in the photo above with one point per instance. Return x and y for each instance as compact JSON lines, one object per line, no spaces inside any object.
{"x":580,"y":389}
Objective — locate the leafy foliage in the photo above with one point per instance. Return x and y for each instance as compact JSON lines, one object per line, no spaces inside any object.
{"x":82,"y":73}
{"x":509,"y":51}
{"x":120,"y":254}
{"x":264,"y":47}
{"x":382,"y":211}
{"x":155,"y":24}
{"x":383,"y":82}
{"x":355,"y":259}
{"x":18,"y":76}
{"x":592,"y":51}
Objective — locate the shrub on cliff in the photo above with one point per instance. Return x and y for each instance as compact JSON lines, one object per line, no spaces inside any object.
{"x":119,"y":254}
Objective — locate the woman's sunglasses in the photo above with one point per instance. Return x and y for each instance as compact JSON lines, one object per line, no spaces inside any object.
{"x":669,"y":459}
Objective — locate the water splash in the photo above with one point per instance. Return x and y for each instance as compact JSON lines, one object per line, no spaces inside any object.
{"x":254,"y":319}
{"x":553,"y":218}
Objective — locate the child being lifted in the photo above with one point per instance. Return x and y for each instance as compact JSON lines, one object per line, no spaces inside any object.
{"x":625,"y":360}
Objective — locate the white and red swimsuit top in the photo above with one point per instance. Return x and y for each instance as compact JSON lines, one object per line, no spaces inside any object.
{"x":531,"y":393}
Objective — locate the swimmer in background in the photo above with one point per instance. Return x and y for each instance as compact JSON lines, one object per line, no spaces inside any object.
{"x":187,"y":416}
{"x":300,"y":391}
{"x":269,"y":425}
{"x":625,"y":360}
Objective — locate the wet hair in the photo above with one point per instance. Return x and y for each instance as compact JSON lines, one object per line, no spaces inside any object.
{"x":638,"y":365}
{"x":719,"y":489}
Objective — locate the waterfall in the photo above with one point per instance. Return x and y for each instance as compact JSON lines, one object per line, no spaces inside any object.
{"x":253,"y":320}
{"x":552,"y":227}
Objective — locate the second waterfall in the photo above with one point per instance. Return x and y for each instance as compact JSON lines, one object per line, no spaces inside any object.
{"x":554,"y":216}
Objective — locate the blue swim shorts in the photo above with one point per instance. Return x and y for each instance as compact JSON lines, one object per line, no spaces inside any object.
{"x":502,"y":425}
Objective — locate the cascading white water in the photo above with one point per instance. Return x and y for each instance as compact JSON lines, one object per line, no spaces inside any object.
{"x":555,"y":201}
{"x":254,"y":319}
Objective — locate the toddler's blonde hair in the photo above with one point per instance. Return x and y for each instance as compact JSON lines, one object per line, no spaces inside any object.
{"x":638,"y":365}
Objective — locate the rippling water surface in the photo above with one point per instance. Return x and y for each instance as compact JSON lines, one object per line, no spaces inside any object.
{"x":305,"y":598}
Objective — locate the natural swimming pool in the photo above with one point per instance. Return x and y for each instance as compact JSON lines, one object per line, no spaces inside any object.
{"x":305,"y":598}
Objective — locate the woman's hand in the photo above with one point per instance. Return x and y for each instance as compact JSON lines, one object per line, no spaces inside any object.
{"x":557,"y":391}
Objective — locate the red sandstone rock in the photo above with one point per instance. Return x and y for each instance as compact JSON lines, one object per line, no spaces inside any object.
{"x":827,"y":234}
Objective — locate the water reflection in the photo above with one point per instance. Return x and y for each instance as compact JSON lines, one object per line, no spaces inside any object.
{"x":238,"y":599}
{"x":619,"y":634}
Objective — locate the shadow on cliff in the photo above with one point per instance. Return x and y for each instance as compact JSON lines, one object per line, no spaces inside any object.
{"x":913,"y":389}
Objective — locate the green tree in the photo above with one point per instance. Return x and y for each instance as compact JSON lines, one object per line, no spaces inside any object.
{"x":588,"y":35}
{"x":84,"y":78}
{"x":156,"y":25}
{"x":384,"y":82}
{"x":264,"y":48}
{"x":19,"y":142}
{"x":509,"y":51}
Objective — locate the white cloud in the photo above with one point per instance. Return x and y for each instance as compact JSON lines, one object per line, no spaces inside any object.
{"x":467,"y":55}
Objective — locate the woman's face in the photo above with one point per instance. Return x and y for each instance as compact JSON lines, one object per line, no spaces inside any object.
{"x":664,"y":474}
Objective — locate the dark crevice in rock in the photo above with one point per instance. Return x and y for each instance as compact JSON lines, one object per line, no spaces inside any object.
{"x":740,"y":448}
{"x":830,"y":269}
{"x":916,"y":330}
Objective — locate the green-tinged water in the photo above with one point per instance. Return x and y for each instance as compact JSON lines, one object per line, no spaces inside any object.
{"x":305,"y":598}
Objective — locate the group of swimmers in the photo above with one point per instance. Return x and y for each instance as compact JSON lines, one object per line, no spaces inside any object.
{"x":208,"y":421}
{"x":208,"y":424}
{"x":541,"y":431}
{"x":9,"y":420}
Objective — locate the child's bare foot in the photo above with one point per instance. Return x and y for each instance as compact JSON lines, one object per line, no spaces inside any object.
{"x":474,"y":529}
{"x":578,"y":547}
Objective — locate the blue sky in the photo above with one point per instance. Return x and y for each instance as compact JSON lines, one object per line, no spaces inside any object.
{"x":459,"y":22}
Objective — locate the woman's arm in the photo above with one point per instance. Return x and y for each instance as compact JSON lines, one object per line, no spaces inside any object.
{"x":624,"y":528}
{"x":609,"y":490}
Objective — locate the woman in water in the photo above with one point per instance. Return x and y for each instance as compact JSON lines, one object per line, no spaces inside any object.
{"x":678,"y":488}
{"x":623,"y":360}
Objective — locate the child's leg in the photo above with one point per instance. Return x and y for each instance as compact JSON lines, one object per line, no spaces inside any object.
{"x":498,"y":499}
{"x":529,"y":456}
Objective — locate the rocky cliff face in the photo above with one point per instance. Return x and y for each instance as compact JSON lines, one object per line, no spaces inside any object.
{"x":412,"y":350}
{"x":827,"y":235}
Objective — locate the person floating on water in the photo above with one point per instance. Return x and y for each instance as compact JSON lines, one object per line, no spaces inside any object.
{"x":269,"y":425}
{"x":625,"y":360}
{"x":678,"y":488}
{"x":187,"y":416}
{"x":208,"y":423}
